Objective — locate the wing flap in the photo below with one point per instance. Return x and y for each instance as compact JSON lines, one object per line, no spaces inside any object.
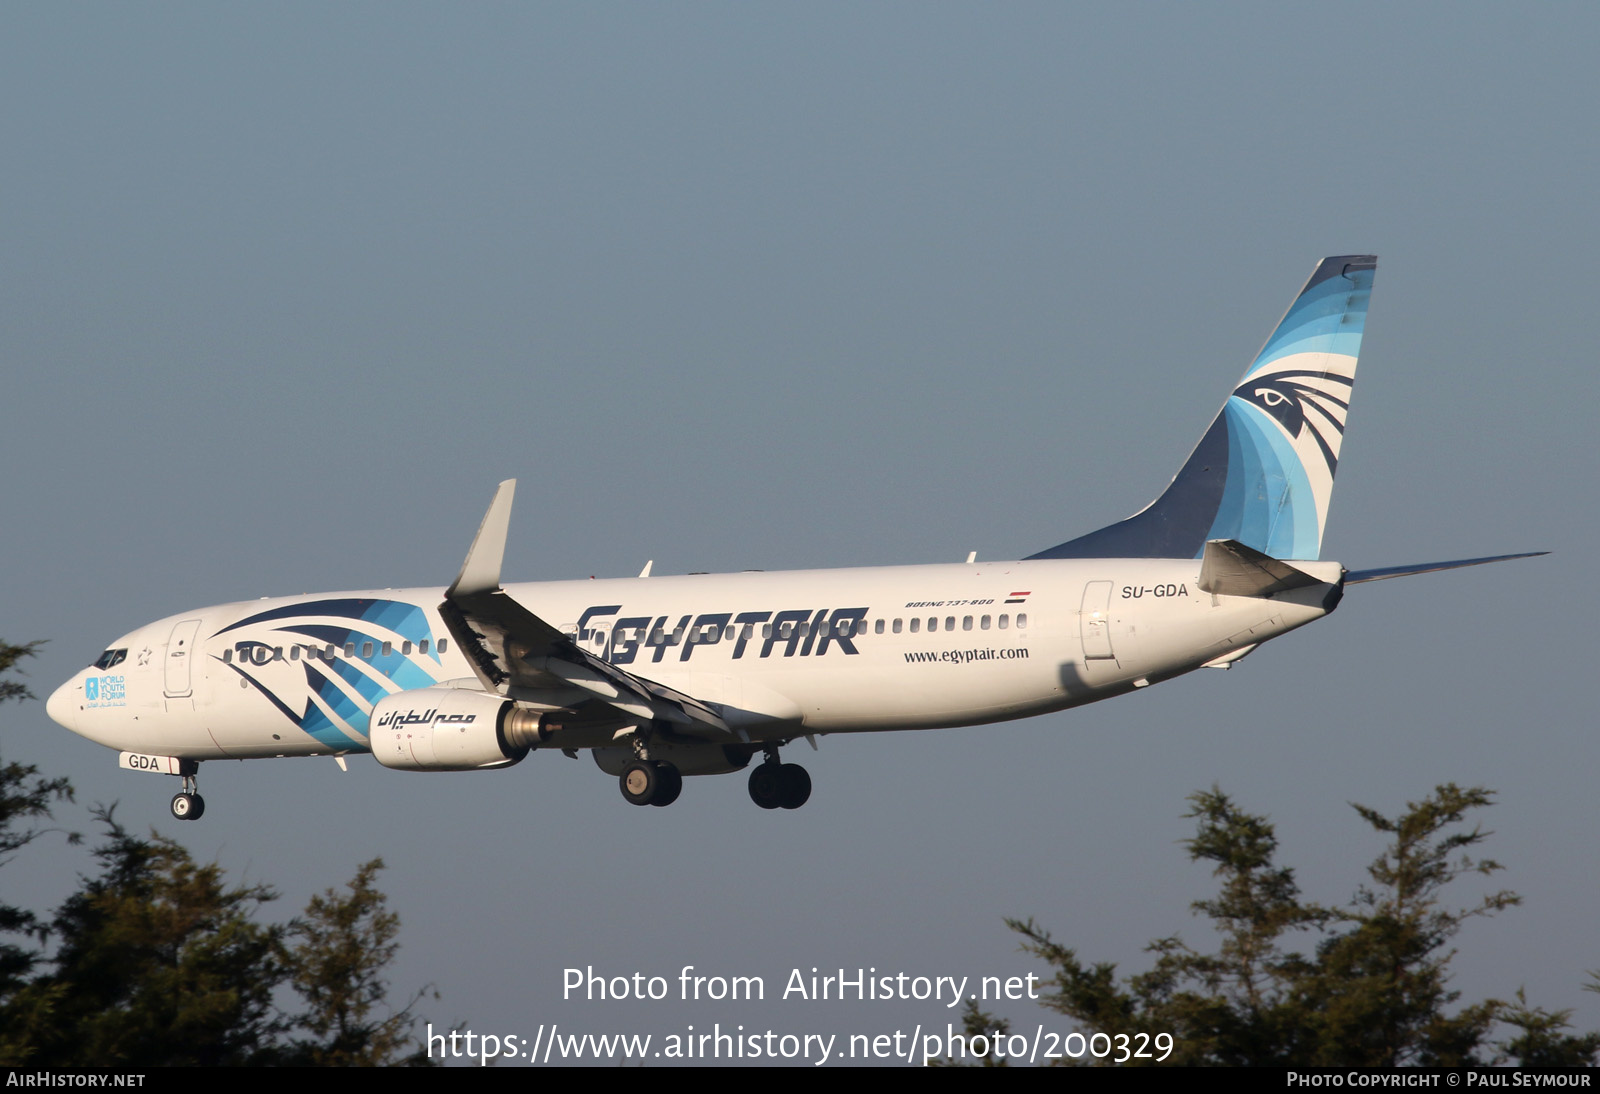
{"x":510,"y":647}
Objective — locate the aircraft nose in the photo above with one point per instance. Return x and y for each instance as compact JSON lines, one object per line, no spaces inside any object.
{"x":62,"y":706}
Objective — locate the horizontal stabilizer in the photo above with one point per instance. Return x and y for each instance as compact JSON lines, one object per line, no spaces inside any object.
{"x":1356,"y":577}
{"x":1229,"y":568}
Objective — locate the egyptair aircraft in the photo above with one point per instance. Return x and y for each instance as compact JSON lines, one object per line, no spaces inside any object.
{"x":662,"y":677}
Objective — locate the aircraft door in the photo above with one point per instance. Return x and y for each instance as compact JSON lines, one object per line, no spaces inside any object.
{"x":180,"y":659}
{"x":1094,"y":621}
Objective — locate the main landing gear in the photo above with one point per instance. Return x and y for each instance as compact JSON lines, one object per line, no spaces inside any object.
{"x":188,"y":804}
{"x":775,"y":785}
{"x":650,"y":782}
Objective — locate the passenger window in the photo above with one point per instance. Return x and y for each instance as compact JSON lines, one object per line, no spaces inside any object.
{"x":897,"y":626}
{"x":294,"y":653}
{"x":443,"y":645}
{"x":405,"y":649}
{"x":949,"y":622}
{"x":277,"y":653}
{"x":422,"y":647}
{"x":1004,"y":621}
{"x":388,"y":648}
{"x":877,"y":626}
{"x":916,"y":625}
{"x":1022,"y":620}
{"x":349,"y":649}
{"x":983,"y":624}
{"x":766,"y":630}
{"x":227,"y":656}
{"x":366,"y":651}
{"x":785,"y":630}
{"x":966,"y":622}
{"x":328,"y":652}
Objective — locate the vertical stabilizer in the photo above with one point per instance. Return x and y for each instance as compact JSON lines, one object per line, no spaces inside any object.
{"x":1262,"y":474}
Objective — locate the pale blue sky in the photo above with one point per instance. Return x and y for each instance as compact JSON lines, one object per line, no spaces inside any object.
{"x":289,"y":288}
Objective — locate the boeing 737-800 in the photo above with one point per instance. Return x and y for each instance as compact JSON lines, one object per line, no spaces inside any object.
{"x":662,"y":677}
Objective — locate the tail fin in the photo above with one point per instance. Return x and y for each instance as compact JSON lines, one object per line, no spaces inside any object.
{"x":1263,"y":473}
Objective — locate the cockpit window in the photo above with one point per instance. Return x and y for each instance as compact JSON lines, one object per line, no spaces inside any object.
{"x":111,"y":658}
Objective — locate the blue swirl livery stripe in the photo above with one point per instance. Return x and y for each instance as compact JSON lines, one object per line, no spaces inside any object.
{"x":1268,"y":502}
{"x":312,"y":721}
{"x":394,"y":665}
{"x":344,"y":708}
{"x":407,"y":620}
{"x":395,"y":671}
{"x":365,"y":686}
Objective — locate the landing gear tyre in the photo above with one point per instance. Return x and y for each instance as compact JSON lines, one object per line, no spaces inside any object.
{"x":766,"y":785}
{"x":640,"y":782}
{"x":188,"y":806}
{"x":794,"y":786}
{"x":670,"y":784}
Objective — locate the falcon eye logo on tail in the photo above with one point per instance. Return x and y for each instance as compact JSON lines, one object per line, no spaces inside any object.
{"x":1311,"y":408}
{"x":1263,"y":472}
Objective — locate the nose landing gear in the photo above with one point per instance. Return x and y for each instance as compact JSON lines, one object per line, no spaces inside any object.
{"x":188,"y":804}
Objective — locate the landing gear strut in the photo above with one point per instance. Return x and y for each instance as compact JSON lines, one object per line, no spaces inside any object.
{"x":188,"y":804}
{"x":775,"y":785}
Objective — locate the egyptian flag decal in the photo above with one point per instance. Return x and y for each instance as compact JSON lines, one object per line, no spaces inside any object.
{"x":1019,"y":598}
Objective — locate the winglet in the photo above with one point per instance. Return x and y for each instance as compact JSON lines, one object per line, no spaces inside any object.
{"x":480,"y":573}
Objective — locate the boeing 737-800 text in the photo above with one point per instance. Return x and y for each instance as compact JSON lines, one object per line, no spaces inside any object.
{"x":662,"y":677}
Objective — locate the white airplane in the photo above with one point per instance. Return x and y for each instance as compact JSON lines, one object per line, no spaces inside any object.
{"x":662,"y":677}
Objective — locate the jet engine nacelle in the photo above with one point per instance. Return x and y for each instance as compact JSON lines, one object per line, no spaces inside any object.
{"x":445,"y":729}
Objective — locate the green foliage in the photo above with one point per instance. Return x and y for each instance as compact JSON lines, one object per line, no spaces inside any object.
{"x":1541,"y":1039}
{"x":1374,"y":991}
{"x":160,"y":963}
{"x":25,"y":803}
{"x":9,"y":656}
{"x":343,"y":945}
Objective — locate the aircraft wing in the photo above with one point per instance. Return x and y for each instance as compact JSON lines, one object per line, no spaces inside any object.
{"x":517,"y":654}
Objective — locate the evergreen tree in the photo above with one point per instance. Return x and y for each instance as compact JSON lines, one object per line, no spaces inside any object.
{"x":341,"y":951}
{"x":159,"y":962}
{"x":1373,"y":992}
{"x":25,"y":801}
